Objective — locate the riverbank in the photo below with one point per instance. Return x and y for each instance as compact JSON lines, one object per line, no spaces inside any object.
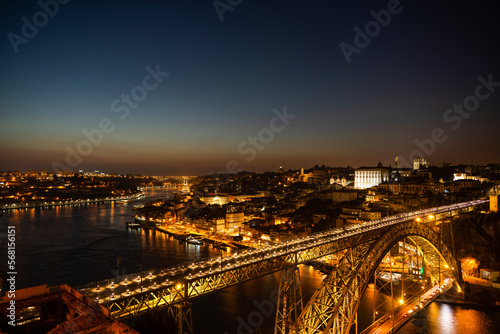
{"x":214,"y":240}
{"x":473,"y":296}
{"x":79,"y":244}
{"x":17,"y":206}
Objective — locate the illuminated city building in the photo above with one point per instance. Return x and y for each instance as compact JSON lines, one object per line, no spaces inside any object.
{"x":234,"y":220}
{"x":367,"y":177}
{"x":494,"y":203}
{"x":419,"y":163}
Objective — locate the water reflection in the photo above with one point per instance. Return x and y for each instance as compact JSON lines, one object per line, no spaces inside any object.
{"x":79,"y":244}
{"x":442,"y":318}
{"x":54,"y":245}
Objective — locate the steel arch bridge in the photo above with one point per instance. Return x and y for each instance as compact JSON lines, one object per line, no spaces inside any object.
{"x":332,"y":309}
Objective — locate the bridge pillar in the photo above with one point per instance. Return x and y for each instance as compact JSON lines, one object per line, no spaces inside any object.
{"x":183,"y":317}
{"x":289,"y":305}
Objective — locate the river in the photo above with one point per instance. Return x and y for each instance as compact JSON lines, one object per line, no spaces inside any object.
{"x":80,"y":244}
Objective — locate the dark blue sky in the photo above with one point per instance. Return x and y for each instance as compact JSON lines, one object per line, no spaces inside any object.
{"x":226,"y":77}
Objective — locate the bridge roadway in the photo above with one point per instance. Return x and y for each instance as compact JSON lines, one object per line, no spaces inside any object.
{"x":133,"y":294}
{"x":392,"y":322}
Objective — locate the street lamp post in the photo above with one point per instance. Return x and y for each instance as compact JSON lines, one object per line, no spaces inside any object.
{"x":221,"y":259}
{"x":140,"y":267}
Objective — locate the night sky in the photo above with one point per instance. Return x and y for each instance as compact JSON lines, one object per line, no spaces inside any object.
{"x":215,"y":83}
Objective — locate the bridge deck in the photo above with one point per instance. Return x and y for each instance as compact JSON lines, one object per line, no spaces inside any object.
{"x":393,"y":322}
{"x":166,"y":287}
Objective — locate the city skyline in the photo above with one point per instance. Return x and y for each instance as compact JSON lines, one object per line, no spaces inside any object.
{"x":201,"y":87}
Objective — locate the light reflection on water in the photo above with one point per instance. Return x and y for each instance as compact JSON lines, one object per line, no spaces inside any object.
{"x":79,"y":244}
{"x":244,"y":307}
{"x":443,"y":318}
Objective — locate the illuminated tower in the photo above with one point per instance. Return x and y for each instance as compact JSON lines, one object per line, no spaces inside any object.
{"x":494,"y":202}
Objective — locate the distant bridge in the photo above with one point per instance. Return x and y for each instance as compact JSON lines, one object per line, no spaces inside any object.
{"x":359,"y":250}
{"x":175,"y":177}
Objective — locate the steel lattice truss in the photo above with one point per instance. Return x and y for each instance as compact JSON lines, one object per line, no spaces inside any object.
{"x":182,"y":314}
{"x":334,"y":304}
{"x":437,"y":258}
{"x":196,"y":286}
{"x":333,"y":307}
{"x":289,"y":305}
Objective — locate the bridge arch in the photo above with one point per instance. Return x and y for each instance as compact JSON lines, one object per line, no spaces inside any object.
{"x":333,"y":307}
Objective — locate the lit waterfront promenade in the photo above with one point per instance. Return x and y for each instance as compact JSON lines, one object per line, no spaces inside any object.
{"x":481,"y":282}
{"x":16,"y":206}
{"x":168,"y":286}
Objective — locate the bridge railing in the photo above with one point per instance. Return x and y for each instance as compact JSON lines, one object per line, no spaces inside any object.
{"x":147,"y":274}
{"x":394,"y":219}
{"x":376,"y":323}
